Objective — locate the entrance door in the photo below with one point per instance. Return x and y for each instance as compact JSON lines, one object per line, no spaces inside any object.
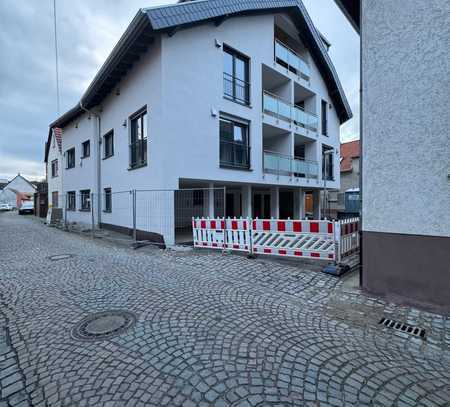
{"x":230,"y":206}
{"x":286,"y":204}
{"x":261,"y":205}
{"x":55,"y":199}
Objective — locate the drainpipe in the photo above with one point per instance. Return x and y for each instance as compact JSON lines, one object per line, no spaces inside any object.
{"x":98,"y":144}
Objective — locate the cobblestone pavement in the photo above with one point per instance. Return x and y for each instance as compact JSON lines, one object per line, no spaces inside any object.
{"x":212,"y":329}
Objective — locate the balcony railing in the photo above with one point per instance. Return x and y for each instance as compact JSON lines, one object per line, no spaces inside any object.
{"x":291,"y":60}
{"x":236,"y":89}
{"x":235,"y":155}
{"x":277,"y":107}
{"x":280,"y":164}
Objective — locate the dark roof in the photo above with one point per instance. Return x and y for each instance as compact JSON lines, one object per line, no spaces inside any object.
{"x":150,"y":21}
{"x":352,"y":10}
{"x":349,"y":151}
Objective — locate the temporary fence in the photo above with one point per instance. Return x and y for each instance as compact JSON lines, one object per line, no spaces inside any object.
{"x":315,"y":239}
{"x":159,"y":216}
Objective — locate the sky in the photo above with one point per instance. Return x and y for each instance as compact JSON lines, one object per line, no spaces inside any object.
{"x":87,"y":31}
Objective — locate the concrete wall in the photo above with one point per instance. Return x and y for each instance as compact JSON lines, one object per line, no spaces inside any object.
{"x":406,"y":145}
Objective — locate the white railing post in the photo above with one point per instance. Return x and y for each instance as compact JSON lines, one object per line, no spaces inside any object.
{"x":337,"y":241}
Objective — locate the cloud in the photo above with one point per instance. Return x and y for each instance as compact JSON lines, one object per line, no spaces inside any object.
{"x":87,"y":32}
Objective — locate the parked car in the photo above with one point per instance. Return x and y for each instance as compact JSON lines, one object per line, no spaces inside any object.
{"x":27,"y":207}
{"x":5,"y":207}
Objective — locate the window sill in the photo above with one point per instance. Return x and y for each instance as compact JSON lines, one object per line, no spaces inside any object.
{"x":237,"y":101}
{"x":106,"y":211}
{"x":69,"y":168}
{"x":86,"y":156}
{"x":135,"y":167}
{"x":54,"y":176}
{"x":109,"y":156}
{"x":234,"y":167}
{"x":84,"y":210}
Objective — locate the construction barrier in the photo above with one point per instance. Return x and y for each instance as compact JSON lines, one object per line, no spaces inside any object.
{"x":315,"y":239}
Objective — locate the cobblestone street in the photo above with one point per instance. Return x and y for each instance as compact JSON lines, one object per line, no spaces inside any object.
{"x":211,"y":329}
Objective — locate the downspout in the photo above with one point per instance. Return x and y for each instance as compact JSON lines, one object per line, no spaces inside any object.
{"x":99,"y":169}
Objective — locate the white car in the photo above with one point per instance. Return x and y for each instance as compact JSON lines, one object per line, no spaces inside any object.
{"x":27,"y":207}
{"x":5,"y":207}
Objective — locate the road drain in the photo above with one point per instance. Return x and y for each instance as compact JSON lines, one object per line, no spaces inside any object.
{"x":400,"y":326}
{"x":57,"y":257}
{"x":103,"y":325}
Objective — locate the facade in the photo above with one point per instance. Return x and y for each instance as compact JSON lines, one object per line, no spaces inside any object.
{"x":405,"y":147}
{"x":346,"y":201}
{"x":244,"y":98}
{"x":54,"y":170}
{"x":16,"y":190}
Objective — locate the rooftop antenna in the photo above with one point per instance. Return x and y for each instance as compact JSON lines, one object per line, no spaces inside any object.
{"x":56,"y":59}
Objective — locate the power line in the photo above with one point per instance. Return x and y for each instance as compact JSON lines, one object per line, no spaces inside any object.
{"x":56,"y":59}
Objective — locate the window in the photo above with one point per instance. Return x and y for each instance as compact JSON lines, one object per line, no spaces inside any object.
{"x":108,"y":200}
{"x":70,"y":158}
{"x":234,"y":145}
{"x":54,"y":168}
{"x":138,"y":140}
{"x":55,"y":199}
{"x":327,"y":163}
{"x":324,"y":118}
{"x":85,"y":195}
{"x":71,"y":201}
{"x":108,"y":141}
{"x":86,"y":149}
{"x":236,"y":76}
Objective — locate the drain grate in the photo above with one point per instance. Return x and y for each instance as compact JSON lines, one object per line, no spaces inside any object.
{"x":57,"y":257}
{"x":103,"y":325}
{"x":402,"y":327}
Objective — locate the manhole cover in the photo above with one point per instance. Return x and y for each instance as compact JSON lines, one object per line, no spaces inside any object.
{"x":103,"y":325}
{"x":57,"y":257}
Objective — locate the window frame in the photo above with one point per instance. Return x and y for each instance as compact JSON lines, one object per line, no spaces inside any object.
{"x":324,"y":118}
{"x":54,"y":165}
{"x":107,"y":193}
{"x":68,"y":152}
{"x":235,"y":121}
{"x":107,"y":135}
{"x":139,"y":115}
{"x":70,"y":200}
{"x":83,"y":194}
{"x":235,"y":54}
{"x":330,"y":168}
{"x":83,"y":148}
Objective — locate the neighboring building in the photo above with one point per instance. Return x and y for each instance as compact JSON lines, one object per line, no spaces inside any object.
{"x":345,"y":202}
{"x":405,"y":147}
{"x":54,"y":170}
{"x":41,"y":199}
{"x":206,"y":94}
{"x":16,"y":190}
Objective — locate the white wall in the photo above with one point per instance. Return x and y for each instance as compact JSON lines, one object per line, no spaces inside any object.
{"x":406,"y":144}
{"x":55,"y":183}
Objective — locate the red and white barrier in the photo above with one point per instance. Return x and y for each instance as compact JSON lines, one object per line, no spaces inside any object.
{"x":294,"y":238}
{"x":316,"y":239}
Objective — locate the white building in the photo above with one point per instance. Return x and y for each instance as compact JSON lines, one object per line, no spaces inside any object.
{"x":18,"y":185}
{"x":53,"y":159}
{"x":206,"y":94}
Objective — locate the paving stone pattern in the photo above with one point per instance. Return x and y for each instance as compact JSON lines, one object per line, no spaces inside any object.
{"x":212,"y":329}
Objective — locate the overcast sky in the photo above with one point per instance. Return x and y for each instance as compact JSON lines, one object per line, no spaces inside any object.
{"x":87,"y":32}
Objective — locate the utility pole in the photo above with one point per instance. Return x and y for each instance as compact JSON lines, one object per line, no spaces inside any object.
{"x":56,"y":59}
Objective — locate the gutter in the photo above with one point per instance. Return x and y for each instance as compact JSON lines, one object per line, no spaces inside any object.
{"x":99,"y":169}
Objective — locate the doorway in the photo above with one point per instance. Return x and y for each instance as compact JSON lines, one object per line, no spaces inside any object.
{"x":286,"y":204}
{"x":261,"y":205}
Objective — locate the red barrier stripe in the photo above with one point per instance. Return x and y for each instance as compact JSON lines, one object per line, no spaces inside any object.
{"x":315,"y":254}
{"x":254,"y":225}
{"x":331,"y":256}
{"x":203,"y":224}
{"x":282,"y":251}
{"x":281,"y":226}
{"x":222,"y":224}
{"x":235,"y":246}
{"x":234,"y":224}
{"x":255,"y":249}
{"x":298,"y":253}
{"x":244,"y":224}
{"x":214,"y":245}
{"x":266,"y":225}
{"x":330,"y":228}
{"x":213,"y":224}
{"x":314,"y":227}
{"x":267,"y":250}
{"x":204,"y":244}
{"x":297,"y":226}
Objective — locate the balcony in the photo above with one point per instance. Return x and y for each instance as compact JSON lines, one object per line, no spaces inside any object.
{"x":234,"y":155}
{"x":291,"y":60}
{"x":277,"y":107}
{"x":280,"y":164}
